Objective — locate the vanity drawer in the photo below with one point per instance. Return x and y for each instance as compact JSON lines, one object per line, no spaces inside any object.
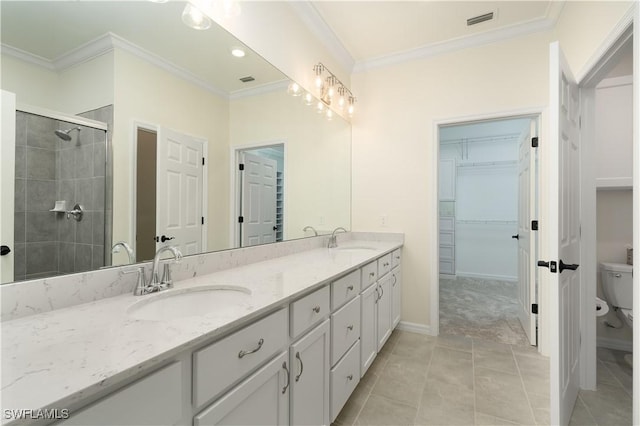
{"x":344,"y":379}
{"x":140,"y":403}
{"x":384,"y":265}
{"x":223,"y":363}
{"x":345,"y":329}
{"x":369,"y":274}
{"x":396,"y":258}
{"x":309,"y":310}
{"x":345,"y":289}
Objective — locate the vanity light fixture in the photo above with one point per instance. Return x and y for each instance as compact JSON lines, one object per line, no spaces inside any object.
{"x":294,"y":89}
{"x":195,"y":18}
{"x":332,"y":91}
{"x":308,"y":99}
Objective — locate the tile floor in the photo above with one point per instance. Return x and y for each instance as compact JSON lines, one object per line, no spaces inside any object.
{"x":450,"y":380}
{"x":482,"y":372}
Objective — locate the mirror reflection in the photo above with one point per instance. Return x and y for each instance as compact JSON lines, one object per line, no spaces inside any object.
{"x":159,"y":135}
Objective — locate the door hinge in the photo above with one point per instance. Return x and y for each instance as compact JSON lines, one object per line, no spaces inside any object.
{"x":534,"y":308}
{"x":203,"y":161}
{"x":241,"y":166}
{"x":534,"y":142}
{"x":534,"y":225}
{"x":202,"y":221}
{"x":240,"y":219}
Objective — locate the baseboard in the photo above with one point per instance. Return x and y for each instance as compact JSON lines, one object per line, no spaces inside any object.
{"x":414,"y":327}
{"x":487,"y":277}
{"x":447,"y":277}
{"x":617,"y":344}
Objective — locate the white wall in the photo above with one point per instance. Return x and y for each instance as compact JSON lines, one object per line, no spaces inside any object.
{"x":393,"y":138}
{"x":317,"y":156}
{"x":146,"y":93}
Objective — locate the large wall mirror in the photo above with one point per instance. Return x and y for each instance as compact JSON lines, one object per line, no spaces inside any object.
{"x":203,"y":150}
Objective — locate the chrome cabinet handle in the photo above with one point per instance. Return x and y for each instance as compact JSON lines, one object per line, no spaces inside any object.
{"x":284,"y":365}
{"x":301,"y":366}
{"x":377,"y":296}
{"x":381,"y":292}
{"x":350,"y":327}
{"x":395,"y":280}
{"x":242,"y":353}
{"x":398,"y":257}
{"x":350,"y":377}
{"x":372,"y":274}
{"x":385,"y":264}
{"x":316,"y":309}
{"x":350,"y":288}
{"x":617,"y":275}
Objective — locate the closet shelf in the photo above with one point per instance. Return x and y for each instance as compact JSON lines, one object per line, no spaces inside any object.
{"x":487,"y":222}
{"x":489,"y":164}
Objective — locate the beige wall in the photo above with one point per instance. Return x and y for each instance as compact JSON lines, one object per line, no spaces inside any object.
{"x":614,"y":224}
{"x":317,"y":157}
{"x":393,"y":137}
{"x":77,"y":89}
{"x":148,"y":94}
{"x":582,"y":28}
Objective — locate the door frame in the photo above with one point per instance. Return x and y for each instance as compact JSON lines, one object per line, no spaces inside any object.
{"x":234,"y":188}
{"x":133,"y":170}
{"x":434,"y":292}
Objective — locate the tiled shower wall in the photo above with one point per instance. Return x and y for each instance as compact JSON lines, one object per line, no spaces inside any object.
{"x":49,"y":169}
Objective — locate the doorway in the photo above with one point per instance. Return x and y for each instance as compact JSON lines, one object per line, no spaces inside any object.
{"x":169,"y":191}
{"x":259,"y":194}
{"x":487,"y":199}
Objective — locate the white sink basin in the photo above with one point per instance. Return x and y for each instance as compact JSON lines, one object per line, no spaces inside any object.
{"x":190,"y":302}
{"x":355,"y":248}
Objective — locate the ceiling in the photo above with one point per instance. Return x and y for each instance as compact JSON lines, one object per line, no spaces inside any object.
{"x":370,"y":30}
{"x":50,"y":31}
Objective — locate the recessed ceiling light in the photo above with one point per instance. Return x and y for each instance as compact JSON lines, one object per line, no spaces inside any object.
{"x":193,"y":17}
{"x":237,"y":52}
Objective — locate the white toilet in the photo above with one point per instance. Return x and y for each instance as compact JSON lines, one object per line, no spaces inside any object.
{"x":617,"y":284}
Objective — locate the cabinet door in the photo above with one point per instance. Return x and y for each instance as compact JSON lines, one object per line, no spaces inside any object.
{"x":384,"y":310}
{"x":447,"y":183}
{"x":396,"y":296}
{"x":262,"y":399}
{"x":310,"y":378}
{"x":368,"y":324}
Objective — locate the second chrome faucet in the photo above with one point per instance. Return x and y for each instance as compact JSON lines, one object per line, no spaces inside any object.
{"x":333,"y":239}
{"x":156,"y":283}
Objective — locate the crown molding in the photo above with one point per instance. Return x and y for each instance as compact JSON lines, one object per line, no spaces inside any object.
{"x":39,"y":61}
{"x":453,"y":45}
{"x":260,"y":90}
{"x":104,"y":44}
{"x":312,"y":19}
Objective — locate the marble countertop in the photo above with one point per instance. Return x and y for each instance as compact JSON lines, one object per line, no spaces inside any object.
{"x":58,"y":358}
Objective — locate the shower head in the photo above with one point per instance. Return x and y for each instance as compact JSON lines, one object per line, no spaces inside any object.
{"x":64,"y":134}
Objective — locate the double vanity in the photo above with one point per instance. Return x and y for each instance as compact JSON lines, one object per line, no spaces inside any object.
{"x":279,"y":334}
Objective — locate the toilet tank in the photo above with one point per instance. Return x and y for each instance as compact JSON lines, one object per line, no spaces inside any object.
{"x":617,"y":284}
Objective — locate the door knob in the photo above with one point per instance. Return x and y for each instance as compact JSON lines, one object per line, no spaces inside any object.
{"x":275,"y":228}
{"x":551,"y":265}
{"x":517,"y":236}
{"x":572,"y":266}
{"x":164,"y":238}
{"x":4,"y":250}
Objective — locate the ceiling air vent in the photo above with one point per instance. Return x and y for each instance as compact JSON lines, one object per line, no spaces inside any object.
{"x":480,"y":18}
{"x":247,"y":79}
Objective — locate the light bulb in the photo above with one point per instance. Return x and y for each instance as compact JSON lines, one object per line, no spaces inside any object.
{"x":308,"y":99}
{"x":341,"y":102}
{"x":193,"y":17}
{"x":329,"y":114}
{"x":320,"y":107}
{"x":350,"y":110}
{"x":294,"y":89}
{"x":319,"y":83}
{"x":238,"y":52}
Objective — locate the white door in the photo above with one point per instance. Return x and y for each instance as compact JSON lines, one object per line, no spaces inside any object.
{"x":179,"y":195}
{"x":563,"y":233}
{"x":310,"y":377}
{"x":7,"y":179}
{"x":525,"y":238}
{"x":258,"y":200}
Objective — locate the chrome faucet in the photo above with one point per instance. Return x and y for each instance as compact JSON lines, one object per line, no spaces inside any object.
{"x":310,"y":228}
{"x":155,"y":283}
{"x":127,"y":247}
{"x":333,"y":240}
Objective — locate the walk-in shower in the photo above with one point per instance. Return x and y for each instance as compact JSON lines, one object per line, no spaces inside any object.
{"x":51,"y":176}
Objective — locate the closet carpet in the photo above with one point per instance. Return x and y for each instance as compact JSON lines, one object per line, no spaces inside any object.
{"x":479,"y":308}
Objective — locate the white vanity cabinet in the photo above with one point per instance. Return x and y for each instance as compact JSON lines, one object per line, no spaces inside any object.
{"x":384,"y":310}
{"x":309,"y":360}
{"x":261,"y":399}
{"x":368,"y":327}
{"x":396,"y":296}
{"x":152,"y":400}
